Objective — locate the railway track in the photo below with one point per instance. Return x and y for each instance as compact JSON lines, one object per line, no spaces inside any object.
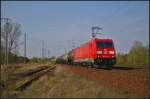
{"x":28,"y":72}
{"x":23,"y":80}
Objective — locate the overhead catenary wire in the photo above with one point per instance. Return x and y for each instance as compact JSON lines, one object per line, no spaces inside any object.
{"x":107,"y":19}
{"x":118,"y":12}
{"x":130,"y":25}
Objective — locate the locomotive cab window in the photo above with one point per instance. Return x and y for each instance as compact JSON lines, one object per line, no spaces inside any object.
{"x":100,"y":44}
{"x":104,"y":44}
{"x":108,"y":44}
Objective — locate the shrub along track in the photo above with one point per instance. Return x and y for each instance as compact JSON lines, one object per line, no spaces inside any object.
{"x":121,"y":79}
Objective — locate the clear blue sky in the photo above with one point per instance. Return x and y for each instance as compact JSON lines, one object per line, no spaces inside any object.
{"x":60,"y":23}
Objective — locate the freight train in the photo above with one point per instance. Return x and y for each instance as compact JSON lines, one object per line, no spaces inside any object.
{"x":95,"y":52}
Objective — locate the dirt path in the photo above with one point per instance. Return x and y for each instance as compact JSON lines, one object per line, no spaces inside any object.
{"x":122,"y":80}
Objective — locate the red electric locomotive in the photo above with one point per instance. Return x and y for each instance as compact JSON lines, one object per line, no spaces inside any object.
{"x":96,"y":51}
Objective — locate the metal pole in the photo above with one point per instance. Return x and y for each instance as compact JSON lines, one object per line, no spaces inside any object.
{"x":25,"y":47}
{"x":42,"y":49}
{"x":44,"y":52}
{"x":6,"y":43}
{"x":48,"y":54}
{"x":6,"y":60}
{"x":73,"y":45}
{"x":6,"y":46}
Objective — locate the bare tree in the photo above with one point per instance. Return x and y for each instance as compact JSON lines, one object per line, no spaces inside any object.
{"x":14,"y":32}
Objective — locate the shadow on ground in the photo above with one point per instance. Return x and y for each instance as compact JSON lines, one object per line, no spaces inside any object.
{"x":120,"y":68}
{"x":127,"y":68}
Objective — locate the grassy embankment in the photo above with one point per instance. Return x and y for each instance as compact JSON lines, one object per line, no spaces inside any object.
{"x":63,"y":85}
{"x":13,"y":76}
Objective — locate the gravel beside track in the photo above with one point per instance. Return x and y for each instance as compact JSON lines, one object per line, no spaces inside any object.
{"x":120,"y":79}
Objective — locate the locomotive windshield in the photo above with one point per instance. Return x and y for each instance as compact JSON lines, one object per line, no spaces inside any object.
{"x":104,"y":44}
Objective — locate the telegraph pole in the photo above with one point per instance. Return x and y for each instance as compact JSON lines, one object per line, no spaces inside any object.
{"x":73,"y":45}
{"x":25,"y":47}
{"x":48,"y":54}
{"x":43,"y":49}
{"x":6,"y":49}
{"x":45,"y":53}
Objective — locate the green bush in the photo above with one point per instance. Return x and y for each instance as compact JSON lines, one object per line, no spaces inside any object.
{"x":137,"y":56}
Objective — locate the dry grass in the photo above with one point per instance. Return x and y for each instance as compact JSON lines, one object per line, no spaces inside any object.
{"x":8,"y":83}
{"x":58,"y":84}
{"x":64,"y":85}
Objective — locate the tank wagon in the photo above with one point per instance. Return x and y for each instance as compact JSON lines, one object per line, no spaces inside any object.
{"x":62,"y":59}
{"x":96,"y":51}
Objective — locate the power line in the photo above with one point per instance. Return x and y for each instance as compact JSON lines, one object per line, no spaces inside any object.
{"x":109,"y":18}
{"x":130,"y":25}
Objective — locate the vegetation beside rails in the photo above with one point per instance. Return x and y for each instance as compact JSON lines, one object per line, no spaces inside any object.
{"x":13,"y":76}
{"x":138,"y":56}
{"x":61,"y":85}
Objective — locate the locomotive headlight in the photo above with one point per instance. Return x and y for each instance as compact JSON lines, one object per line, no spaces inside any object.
{"x":111,"y":52}
{"x":99,"y":52}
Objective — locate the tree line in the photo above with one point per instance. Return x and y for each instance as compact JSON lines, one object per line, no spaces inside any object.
{"x":137,"y":56}
{"x":10,"y":34}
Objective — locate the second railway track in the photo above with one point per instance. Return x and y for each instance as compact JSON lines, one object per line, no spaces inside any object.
{"x":25,"y":79}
